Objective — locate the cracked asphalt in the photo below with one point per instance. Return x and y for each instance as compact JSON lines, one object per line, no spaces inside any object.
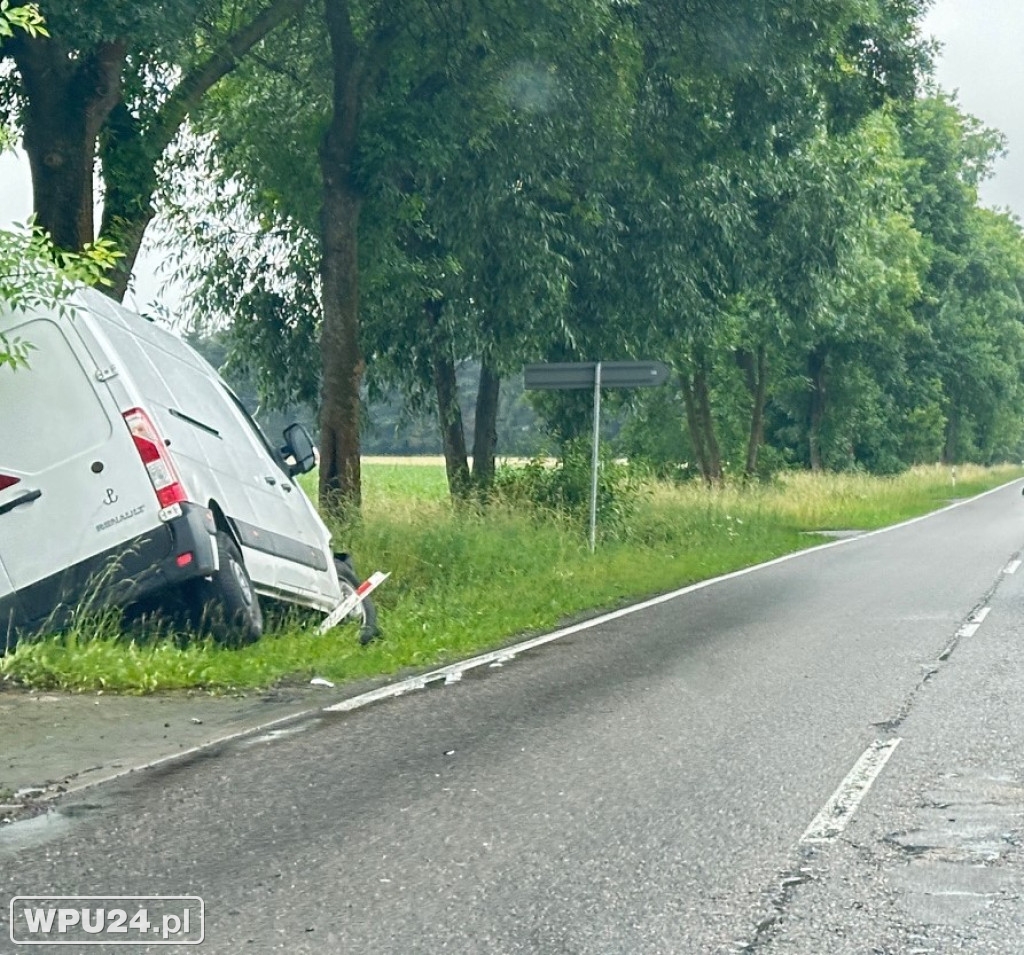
{"x":639,"y":787}
{"x":934,"y":861}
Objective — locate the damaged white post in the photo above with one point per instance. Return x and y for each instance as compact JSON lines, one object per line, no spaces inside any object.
{"x":352,"y":601}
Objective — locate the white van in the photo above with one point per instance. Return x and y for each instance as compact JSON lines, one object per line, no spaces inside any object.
{"x":130,"y":471}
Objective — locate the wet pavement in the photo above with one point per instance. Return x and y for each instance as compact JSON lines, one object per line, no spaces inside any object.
{"x":53,"y":742}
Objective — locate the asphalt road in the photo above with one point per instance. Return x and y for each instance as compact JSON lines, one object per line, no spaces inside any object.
{"x":644,"y":786}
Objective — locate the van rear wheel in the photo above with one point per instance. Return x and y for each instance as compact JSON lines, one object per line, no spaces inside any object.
{"x":226,"y":605}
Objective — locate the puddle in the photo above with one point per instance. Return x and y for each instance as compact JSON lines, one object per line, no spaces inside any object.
{"x":32,"y":833}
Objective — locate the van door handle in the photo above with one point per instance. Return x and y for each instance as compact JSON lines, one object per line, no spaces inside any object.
{"x":270,"y":479}
{"x":286,"y":487}
{"x":18,"y":501}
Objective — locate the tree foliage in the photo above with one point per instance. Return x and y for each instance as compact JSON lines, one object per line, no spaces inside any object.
{"x":769,"y":196}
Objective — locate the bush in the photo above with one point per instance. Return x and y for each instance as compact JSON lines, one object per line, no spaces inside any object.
{"x":564,"y":488}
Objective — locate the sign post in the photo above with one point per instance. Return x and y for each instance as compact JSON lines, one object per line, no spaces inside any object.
{"x":561,"y":376}
{"x":595,"y":461}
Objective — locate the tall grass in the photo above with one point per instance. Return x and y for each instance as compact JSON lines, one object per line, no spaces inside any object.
{"x":468,"y":579}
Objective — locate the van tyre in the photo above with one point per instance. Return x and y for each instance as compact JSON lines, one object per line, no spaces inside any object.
{"x":226,"y":605}
{"x":365,"y":613}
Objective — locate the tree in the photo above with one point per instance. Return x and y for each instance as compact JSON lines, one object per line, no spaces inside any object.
{"x":723,"y":184}
{"x":32,"y":272}
{"x":117,"y":86}
{"x":971,"y":302}
{"x":383,"y":66}
{"x":734,"y":202}
{"x":499,"y":230}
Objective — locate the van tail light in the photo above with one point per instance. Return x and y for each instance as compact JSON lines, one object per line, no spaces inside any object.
{"x":159,"y":466}
{"x":7,"y":480}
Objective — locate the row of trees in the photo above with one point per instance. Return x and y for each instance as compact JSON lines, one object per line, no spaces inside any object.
{"x":769,"y":195}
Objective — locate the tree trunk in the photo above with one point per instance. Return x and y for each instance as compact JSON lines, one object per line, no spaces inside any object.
{"x":755,"y":368}
{"x":66,"y":103}
{"x":342,"y":362}
{"x":485,"y":427}
{"x":129,"y":177}
{"x":816,"y":406}
{"x":707,"y":423}
{"x":449,"y":412}
{"x":695,"y":427}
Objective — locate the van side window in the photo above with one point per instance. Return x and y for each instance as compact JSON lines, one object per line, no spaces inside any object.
{"x":256,"y":430}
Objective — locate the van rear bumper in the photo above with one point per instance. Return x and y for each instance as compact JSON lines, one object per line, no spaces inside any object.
{"x":133,"y":570}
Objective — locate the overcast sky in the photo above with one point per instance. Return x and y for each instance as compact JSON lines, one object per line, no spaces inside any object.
{"x":982,"y":59}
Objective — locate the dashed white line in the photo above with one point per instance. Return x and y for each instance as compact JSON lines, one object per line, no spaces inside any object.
{"x":836,"y":814}
{"x":976,"y":619}
{"x":1012,"y":567}
{"x":969,"y":629}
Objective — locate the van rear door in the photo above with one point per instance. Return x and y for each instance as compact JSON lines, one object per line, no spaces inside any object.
{"x":72,"y":489}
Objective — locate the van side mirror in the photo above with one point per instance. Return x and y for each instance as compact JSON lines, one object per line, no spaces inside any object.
{"x":299,"y":447}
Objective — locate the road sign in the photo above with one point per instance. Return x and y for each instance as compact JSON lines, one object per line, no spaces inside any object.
{"x":581,"y":374}
{"x":560,"y":376}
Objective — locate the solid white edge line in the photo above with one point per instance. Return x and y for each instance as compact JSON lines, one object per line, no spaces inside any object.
{"x":451,"y":673}
{"x":836,"y":814}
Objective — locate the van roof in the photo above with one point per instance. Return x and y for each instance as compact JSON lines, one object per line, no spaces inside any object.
{"x":106,"y":308}
{"x":91,"y":303}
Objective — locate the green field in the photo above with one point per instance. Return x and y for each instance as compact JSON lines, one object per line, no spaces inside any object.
{"x":404,"y":480}
{"x":470,"y":579}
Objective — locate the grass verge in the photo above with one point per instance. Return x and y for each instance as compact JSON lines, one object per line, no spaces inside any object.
{"x":466,"y":581}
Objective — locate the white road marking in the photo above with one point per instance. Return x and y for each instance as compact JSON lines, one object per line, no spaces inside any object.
{"x":1012,"y":567}
{"x":496,"y":658}
{"x":453,"y":674}
{"x":383,"y":693}
{"x":836,"y":814}
{"x":966,"y":630}
{"x":976,"y":619}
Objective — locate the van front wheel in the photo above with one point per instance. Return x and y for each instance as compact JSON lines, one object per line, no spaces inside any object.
{"x":226,"y":605}
{"x":365,"y":613}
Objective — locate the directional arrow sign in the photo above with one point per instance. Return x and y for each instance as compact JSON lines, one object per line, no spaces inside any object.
{"x":581,"y":374}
